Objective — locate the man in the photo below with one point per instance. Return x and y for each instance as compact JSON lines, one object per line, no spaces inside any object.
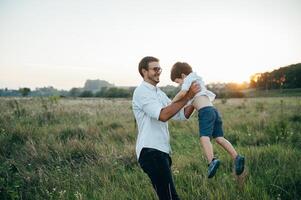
{"x":152,"y":109}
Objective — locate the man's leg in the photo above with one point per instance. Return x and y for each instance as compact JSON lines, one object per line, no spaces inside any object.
{"x":156,"y":165}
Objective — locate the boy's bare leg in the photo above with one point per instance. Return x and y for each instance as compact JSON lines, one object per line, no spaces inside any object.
{"x":227,"y":146}
{"x":207,"y":146}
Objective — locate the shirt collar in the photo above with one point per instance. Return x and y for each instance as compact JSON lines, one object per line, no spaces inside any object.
{"x":148,"y":85}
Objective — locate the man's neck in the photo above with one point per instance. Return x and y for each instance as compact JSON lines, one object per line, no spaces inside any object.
{"x":151,"y":82}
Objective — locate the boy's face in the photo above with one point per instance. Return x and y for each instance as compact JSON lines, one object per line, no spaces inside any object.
{"x":179,"y":81}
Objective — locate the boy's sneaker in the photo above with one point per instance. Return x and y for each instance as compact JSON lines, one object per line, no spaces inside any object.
{"x":239,"y":164}
{"x":213,"y":167}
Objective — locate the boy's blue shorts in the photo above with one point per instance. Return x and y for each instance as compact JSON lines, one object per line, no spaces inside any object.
{"x":210,"y":122}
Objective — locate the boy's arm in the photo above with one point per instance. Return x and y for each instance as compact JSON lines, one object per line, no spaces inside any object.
{"x":179,"y":96}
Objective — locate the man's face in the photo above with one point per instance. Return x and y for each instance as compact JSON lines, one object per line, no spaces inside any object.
{"x":153,"y":73}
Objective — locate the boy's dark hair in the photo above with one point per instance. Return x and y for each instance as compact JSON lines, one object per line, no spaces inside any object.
{"x":143,"y":64}
{"x":180,"y":68}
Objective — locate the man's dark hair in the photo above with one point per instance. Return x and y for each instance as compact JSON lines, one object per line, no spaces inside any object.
{"x":143,"y":64}
{"x":178,"y":69}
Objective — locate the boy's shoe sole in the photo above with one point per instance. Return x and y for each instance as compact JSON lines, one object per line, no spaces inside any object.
{"x":239,"y":165}
{"x":213,"y":167}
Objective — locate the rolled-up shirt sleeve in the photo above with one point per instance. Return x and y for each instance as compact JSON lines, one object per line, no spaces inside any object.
{"x":150,"y":105}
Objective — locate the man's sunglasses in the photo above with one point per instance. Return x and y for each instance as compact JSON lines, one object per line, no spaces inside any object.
{"x":156,"y":69}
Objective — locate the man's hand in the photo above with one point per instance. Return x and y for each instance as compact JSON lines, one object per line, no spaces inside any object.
{"x":193,"y":90}
{"x":169,"y":111}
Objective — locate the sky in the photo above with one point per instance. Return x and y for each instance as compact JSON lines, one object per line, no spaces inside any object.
{"x":62,"y":43}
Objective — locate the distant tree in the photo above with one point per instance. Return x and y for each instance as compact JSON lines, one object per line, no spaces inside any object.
{"x":102,"y":92}
{"x":75,"y":92}
{"x":254,"y":79}
{"x":46,"y":91}
{"x":170,"y":90}
{"x":86,"y":93}
{"x":24,"y":91}
{"x":115,"y":92}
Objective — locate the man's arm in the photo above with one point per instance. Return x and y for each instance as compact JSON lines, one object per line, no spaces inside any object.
{"x":170,"y":110}
{"x":188,"y":110}
{"x":179,"y":96}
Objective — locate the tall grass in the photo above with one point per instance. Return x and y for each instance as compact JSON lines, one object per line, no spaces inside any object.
{"x":54,"y":148}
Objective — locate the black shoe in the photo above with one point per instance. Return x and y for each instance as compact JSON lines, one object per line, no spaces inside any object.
{"x":239,"y":164}
{"x":213,"y":167}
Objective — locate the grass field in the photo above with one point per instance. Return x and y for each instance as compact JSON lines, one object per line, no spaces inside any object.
{"x":52,"y":148}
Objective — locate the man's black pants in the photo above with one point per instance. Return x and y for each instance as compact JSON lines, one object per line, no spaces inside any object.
{"x":156,"y":164}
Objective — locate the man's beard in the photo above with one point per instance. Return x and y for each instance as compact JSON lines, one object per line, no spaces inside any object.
{"x":155,"y":78}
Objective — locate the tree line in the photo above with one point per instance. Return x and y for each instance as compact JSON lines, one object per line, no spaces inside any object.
{"x":288,"y":77}
{"x":104,"y":92}
{"x":221,"y":90}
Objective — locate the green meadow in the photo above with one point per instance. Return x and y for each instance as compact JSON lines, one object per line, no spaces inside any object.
{"x":61,"y":148}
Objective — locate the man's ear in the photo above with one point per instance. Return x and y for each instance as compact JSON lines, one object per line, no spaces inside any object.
{"x":143,"y":71}
{"x":183,"y":75}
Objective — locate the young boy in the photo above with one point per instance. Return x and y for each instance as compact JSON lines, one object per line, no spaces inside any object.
{"x":210,"y":122}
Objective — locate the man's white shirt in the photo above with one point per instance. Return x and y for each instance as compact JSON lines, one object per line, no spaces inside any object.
{"x":148,"y":101}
